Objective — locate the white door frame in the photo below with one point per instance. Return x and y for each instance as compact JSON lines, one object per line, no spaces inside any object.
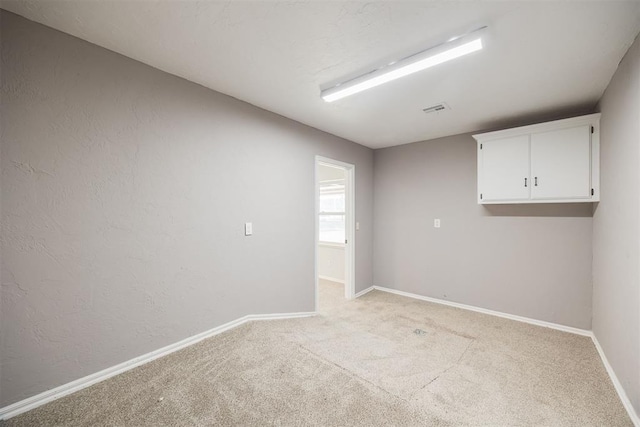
{"x":350,"y":225}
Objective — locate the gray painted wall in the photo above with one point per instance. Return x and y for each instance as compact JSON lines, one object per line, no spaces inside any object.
{"x":616,"y":227}
{"x":125,"y":189}
{"x":124,"y":195}
{"x":529,"y":260}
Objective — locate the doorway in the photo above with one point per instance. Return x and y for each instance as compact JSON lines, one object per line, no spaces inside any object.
{"x":335,"y":229}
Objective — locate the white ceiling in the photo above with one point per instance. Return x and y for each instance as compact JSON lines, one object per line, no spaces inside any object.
{"x":542,"y":58}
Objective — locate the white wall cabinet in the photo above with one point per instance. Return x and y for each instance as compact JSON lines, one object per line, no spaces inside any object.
{"x":553,"y":162}
{"x":505,"y":169}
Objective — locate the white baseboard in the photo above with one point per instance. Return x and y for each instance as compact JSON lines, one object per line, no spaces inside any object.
{"x":366,"y":291}
{"x":81,"y":383}
{"x":331,"y":279}
{"x":279,"y":316}
{"x":616,"y":384}
{"x":490,"y":312}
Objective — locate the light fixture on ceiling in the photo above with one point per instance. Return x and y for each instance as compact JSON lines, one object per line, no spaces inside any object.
{"x":453,"y":48}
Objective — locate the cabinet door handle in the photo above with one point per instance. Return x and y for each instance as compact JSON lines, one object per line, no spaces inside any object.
{"x":525,"y":182}
{"x":536,"y":181}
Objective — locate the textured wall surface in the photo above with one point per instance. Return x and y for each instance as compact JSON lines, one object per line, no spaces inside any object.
{"x":528,"y":260}
{"x":616,"y":227}
{"x":124,"y":195}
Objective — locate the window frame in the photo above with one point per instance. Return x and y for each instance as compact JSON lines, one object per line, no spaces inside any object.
{"x":333,"y":213}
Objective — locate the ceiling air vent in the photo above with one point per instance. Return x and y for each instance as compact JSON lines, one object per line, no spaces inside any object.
{"x":438,"y":108}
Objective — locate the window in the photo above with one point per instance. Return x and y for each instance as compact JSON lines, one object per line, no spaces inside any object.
{"x":332,"y":211}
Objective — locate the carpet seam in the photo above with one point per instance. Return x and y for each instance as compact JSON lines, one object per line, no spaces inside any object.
{"x":350,"y":373}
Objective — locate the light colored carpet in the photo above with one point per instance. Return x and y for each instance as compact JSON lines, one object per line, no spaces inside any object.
{"x":359,"y":363}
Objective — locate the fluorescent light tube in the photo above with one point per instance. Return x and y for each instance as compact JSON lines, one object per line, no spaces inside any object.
{"x":410,"y":65}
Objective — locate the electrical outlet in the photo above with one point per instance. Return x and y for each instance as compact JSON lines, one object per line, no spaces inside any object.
{"x":436,"y":223}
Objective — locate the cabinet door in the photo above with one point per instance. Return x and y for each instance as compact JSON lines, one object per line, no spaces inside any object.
{"x":504,"y":167}
{"x":561,"y":164}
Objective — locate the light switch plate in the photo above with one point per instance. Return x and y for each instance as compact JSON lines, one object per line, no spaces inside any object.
{"x":248,"y":229}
